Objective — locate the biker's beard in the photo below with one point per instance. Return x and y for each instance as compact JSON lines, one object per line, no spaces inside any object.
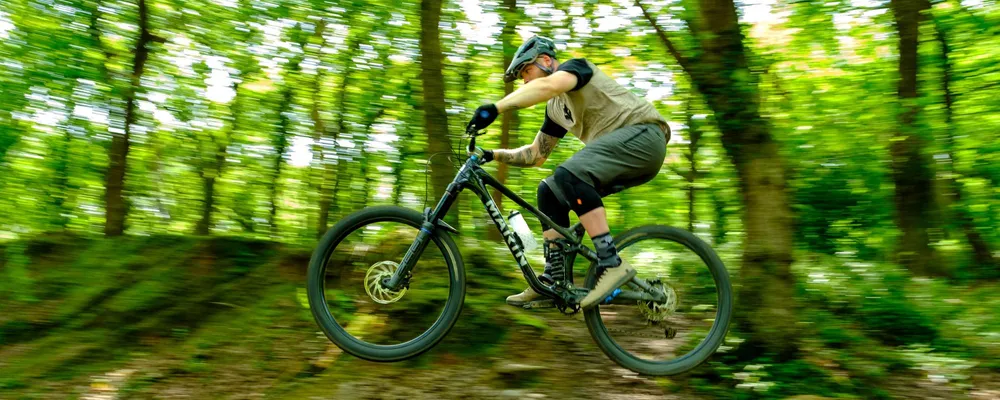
{"x":548,"y":70}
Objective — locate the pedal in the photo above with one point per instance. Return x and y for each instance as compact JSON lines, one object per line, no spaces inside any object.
{"x":547,"y":303}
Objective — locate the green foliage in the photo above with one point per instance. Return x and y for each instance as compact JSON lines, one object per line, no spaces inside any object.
{"x":255,"y":120}
{"x":835,"y":210}
{"x":893,"y":320}
{"x":18,"y":284}
{"x":872,"y":295}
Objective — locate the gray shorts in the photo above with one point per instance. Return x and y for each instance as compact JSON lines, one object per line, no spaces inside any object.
{"x":624,"y":158}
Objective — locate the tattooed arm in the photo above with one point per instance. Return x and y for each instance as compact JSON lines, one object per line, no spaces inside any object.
{"x":532,"y":155}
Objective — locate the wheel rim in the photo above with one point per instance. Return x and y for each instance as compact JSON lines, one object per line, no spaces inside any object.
{"x":663,"y":337}
{"x":370,"y":315}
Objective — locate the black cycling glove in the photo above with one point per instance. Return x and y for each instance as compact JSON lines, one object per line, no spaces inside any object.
{"x":484,"y":116}
{"x":487,"y":156}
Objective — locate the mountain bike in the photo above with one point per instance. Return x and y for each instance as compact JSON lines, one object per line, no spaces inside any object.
{"x":387,"y":283}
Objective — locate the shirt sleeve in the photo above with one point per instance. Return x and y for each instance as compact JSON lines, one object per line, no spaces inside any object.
{"x":578,"y":67}
{"x":551,"y":128}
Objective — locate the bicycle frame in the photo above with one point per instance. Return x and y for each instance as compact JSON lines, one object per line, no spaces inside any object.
{"x":473,"y":177}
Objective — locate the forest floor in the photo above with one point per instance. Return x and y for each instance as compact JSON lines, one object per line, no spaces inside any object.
{"x":227,"y":318}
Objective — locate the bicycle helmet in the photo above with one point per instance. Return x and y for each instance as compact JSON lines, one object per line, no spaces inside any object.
{"x":527,"y":54}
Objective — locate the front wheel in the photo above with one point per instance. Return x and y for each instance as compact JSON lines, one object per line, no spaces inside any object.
{"x":683,"y":330}
{"x":360,"y":315}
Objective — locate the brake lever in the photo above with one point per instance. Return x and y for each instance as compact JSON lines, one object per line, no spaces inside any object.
{"x":471,"y":133}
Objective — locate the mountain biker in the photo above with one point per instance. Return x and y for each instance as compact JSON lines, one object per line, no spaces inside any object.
{"x":625,"y":143}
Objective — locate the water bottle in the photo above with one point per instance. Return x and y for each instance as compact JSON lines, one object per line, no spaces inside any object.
{"x":521,"y":229}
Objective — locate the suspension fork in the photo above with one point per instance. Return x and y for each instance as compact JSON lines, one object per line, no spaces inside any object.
{"x":432,"y":221}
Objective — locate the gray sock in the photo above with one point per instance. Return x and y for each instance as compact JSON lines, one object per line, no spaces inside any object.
{"x":607,"y":253}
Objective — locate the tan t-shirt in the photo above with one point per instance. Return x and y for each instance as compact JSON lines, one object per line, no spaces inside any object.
{"x":598,"y":104}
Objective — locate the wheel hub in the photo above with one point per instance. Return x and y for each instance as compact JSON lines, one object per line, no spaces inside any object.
{"x":373,"y":283}
{"x":657,"y":312}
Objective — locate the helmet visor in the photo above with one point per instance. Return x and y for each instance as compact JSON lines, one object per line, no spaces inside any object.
{"x":514,"y":72}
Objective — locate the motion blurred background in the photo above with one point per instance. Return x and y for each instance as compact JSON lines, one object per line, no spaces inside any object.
{"x":167,"y":167}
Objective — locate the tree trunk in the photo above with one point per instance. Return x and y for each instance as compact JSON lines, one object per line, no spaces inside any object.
{"x":115,"y":206}
{"x":340,"y":173}
{"x":280,"y":144}
{"x":766,"y":302}
{"x":319,"y":132}
{"x":765,"y":306}
{"x":912,"y":172}
{"x":719,"y":204}
{"x":366,"y":179}
{"x":981,"y":253}
{"x":509,"y":121}
{"x":214,"y":170}
{"x":695,"y":136}
{"x":374,"y":111}
{"x":63,"y":158}
{"x":366,"y":187}
{"x":397,"y":180}
{"x":208,"y":177}
{"x":156,"y":170}
{"x":204,"y":225}
{"x":435,"y":118}
{"x":405,"y":139}
{"x":61,"y":195}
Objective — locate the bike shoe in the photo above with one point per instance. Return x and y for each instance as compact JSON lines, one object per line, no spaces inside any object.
{"x":518,"y":300}
{"x":609,"y":280}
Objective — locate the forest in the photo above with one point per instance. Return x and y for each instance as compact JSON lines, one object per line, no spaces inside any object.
{"x":169,"y":166}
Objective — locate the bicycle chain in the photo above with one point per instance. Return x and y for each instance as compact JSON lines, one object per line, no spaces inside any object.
{"x":641,"y":334}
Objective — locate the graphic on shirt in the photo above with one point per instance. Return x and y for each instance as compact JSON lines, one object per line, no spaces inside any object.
{"x":567,"y":114}
{"x":603,"y":105}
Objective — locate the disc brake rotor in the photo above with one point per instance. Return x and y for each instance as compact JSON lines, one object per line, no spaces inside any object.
{"x":373,"y":283}
{"x":656,"y":312}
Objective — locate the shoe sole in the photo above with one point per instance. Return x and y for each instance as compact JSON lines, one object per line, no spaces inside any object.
{"x":520,"y":303}
{"x":621,"y":281}
{"x":545,"y":303}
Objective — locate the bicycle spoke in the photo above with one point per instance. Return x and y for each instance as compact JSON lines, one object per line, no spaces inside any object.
{"x":683,"y":313}
{"x":367,"y":309}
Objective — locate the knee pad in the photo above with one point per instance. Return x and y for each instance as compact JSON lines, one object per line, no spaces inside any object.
{"x":550,"y":205}
{"x":581,"y":196}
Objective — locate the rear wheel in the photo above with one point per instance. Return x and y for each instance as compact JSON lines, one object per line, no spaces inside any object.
{"x":360,"y":315}
{"x":674,"y":336}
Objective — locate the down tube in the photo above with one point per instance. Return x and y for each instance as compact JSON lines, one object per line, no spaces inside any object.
{"x":546,"y":221}
{"x":512,"y":244}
